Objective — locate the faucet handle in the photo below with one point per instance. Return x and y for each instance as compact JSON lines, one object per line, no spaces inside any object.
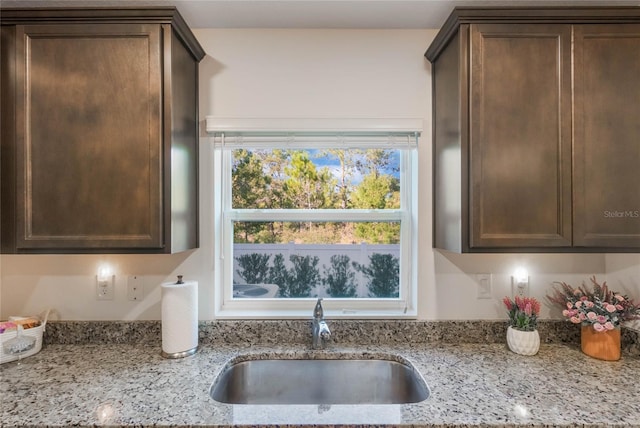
{"x":325,"y":334}
{"x":318,"y":312}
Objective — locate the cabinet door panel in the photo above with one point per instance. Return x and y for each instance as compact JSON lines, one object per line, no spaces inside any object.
{"x":520,"y":142}
{"x":89,"y":136}
{"x":607,"y":133}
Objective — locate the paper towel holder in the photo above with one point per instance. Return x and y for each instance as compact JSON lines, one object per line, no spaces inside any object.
{"x":182,"y":354}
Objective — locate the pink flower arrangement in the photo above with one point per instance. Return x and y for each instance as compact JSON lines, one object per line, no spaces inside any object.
{"x":523,"y":312}
{"x":598,"y":306}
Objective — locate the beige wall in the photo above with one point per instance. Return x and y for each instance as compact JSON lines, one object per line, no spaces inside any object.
{"x":308,"y":73}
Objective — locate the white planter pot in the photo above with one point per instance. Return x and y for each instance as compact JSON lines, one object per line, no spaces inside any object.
{"x":523,"y":342}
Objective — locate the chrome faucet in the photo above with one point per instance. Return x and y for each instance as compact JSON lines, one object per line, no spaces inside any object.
{"x":320,"y":329}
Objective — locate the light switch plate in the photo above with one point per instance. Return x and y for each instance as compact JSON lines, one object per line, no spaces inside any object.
{"x":135,"y":288}
{"x":484,"y":286}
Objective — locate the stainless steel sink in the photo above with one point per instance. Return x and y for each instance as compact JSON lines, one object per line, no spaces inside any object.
{"x":319,"y":381}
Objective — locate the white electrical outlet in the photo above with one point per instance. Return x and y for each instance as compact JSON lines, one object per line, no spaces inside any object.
{"x":519,"y":287}
{"x":105,"y":287}
{"x":135,"y":288}
{"x":484,"y":286}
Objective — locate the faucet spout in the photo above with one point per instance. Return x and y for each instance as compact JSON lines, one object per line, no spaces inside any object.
{"x":320,"y":330}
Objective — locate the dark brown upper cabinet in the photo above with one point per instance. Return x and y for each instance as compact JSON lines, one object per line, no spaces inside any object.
{"x":535,"y":130}
{"x":606,"y":153}
{"x":99,"y":135}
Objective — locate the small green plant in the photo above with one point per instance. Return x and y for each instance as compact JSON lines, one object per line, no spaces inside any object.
{"x":278,"y":273}
{"x":339,"y":278}
{"x":304,"y":275}
{"x":523,"y":312}
{"x":297,"y":281}
{"x":383,"y":273}
{"x":254,"y":267}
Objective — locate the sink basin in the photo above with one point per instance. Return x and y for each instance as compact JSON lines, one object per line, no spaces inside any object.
{"x":319,"y":381}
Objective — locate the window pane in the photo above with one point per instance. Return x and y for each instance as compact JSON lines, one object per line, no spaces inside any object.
{"x":316,"y":179}
{"x":302,"y":270}
{"x":307,"y":262}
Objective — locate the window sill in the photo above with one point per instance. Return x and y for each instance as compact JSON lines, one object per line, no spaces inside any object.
{"x":230,"y":314}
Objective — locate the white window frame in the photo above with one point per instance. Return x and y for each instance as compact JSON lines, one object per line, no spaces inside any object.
{"x":285,"y":308}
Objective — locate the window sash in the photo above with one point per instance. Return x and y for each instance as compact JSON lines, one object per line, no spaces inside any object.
{"x":318,"y":215}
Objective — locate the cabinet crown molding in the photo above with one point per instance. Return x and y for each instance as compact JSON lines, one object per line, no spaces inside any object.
{"x":63,"y":15}
{"x":529,"y":15}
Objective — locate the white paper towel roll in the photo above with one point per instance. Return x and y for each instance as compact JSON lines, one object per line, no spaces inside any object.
{"x":179,"y":318}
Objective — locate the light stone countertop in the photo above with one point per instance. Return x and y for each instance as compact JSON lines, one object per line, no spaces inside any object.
{"x":470,"y":384}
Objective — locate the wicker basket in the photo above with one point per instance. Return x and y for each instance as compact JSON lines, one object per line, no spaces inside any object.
{"x":36,"y":332}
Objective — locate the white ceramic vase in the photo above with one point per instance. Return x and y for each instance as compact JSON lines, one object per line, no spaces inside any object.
{"x":523,"y":342}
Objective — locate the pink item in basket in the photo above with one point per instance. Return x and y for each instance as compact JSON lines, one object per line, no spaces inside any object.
{"x":7,"y":325}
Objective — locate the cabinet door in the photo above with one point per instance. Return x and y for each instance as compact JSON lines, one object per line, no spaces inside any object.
{"x":520,"y":136}
{"x":607,"y":136}
{"x":88,"y":136}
